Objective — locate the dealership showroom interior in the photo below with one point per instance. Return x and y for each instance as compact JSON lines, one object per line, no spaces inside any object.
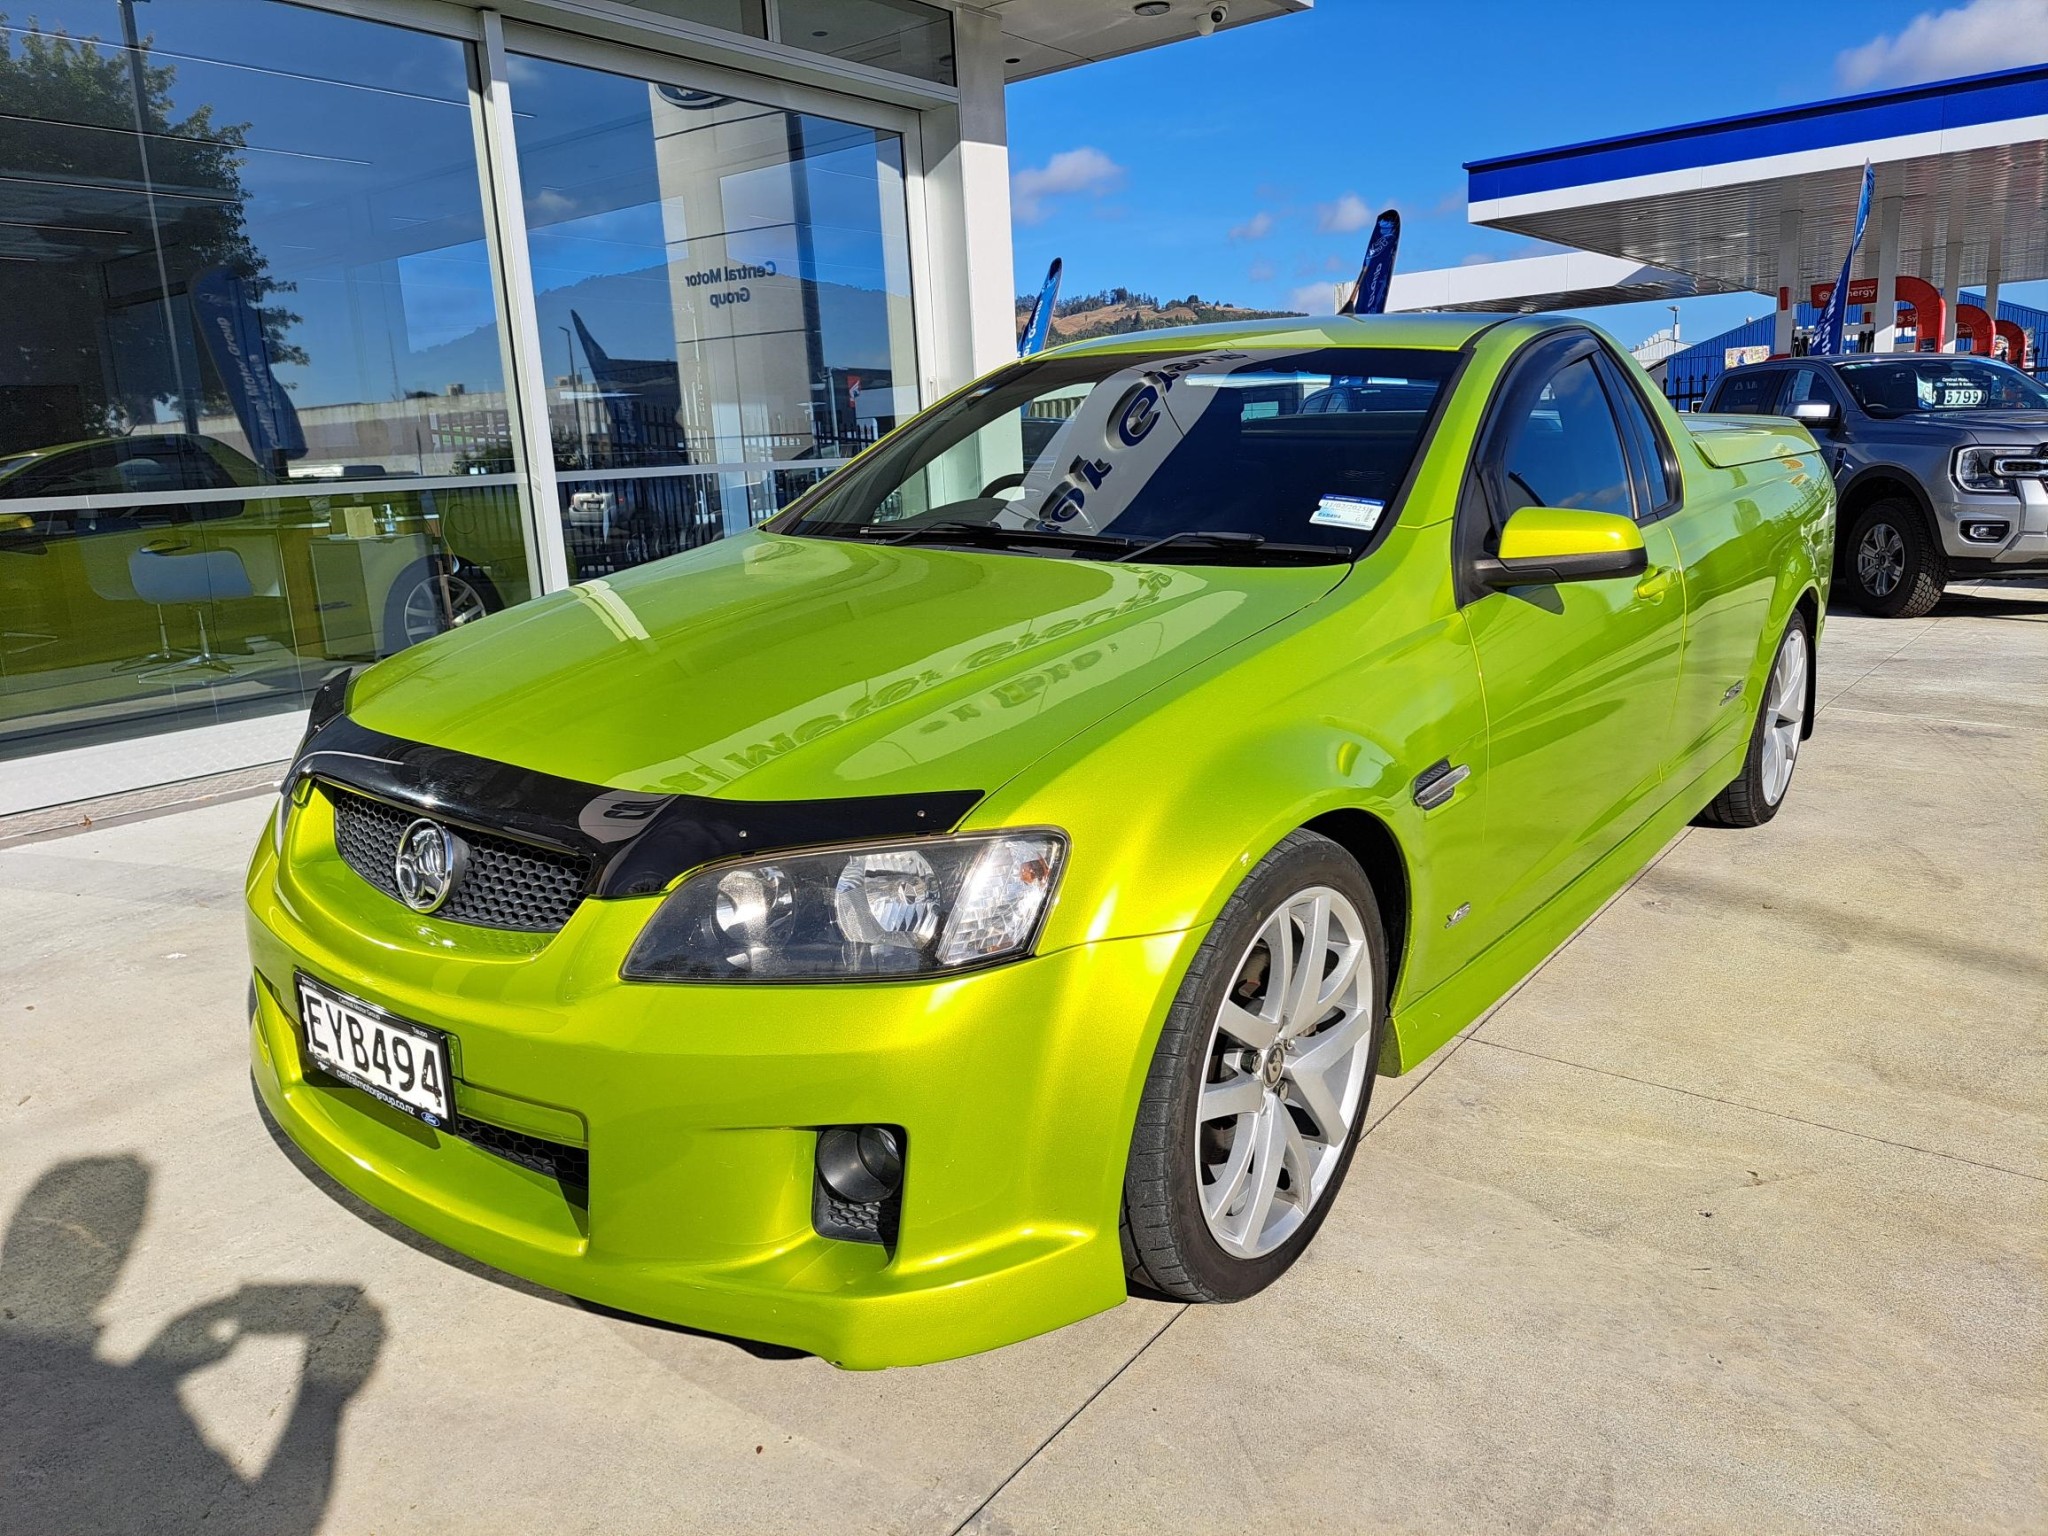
{"x":1009,"y":766}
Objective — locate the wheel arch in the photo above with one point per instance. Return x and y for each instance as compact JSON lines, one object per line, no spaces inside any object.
{"x":1807,"y":604}
{"x":1372,"y":843}
{"x":1879,"y":482}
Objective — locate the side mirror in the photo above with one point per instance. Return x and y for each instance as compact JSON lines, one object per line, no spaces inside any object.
{"x":1544,"y":545}
{"x":1816,"y":413}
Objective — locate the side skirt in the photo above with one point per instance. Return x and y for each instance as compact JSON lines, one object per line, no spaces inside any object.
{"x":1423,"y":1026}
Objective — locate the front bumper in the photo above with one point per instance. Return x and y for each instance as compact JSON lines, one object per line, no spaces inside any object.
{"x":2025,"y":542}
{"x":698,"y":1105}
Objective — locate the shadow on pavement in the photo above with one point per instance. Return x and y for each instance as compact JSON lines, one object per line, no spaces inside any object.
{"x":1983,"y":605}
{"x":90,"y":1445}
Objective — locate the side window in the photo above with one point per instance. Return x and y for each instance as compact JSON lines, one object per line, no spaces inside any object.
{"x":1749,"y":394}
{"x":1655,"y":492}
{"x":1564,"y":449}
{"x":85,"y":471}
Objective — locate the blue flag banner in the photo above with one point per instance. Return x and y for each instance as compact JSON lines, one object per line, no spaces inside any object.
{"x":643,"y":403}
{"x":233,"y":330}
{"x":1369,"y":296}
{"x":617,"y":390}
{"x":1827,"y":330}
{"x":1038,"y":327}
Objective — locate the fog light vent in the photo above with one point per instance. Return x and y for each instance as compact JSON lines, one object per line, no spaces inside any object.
{"x":857,"y":1194}
{"x":1986,"y":532}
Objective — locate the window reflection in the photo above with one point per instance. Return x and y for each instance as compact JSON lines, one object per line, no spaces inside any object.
{"x":724,"y":295}
{"x":252,"y":404}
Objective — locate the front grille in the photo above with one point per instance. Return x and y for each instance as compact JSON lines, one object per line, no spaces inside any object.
{"x":566,"y":1165}
{"x":506,"y":883}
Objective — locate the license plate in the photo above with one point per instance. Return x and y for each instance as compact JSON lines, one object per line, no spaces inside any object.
{"x":402,"y":1063}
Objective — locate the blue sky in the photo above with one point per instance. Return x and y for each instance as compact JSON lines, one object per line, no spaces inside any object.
{"x":1246,"y":166}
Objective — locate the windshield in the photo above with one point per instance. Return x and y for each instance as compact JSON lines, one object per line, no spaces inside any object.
{"x":1222,"y":450}
{"x":1896,"y":386}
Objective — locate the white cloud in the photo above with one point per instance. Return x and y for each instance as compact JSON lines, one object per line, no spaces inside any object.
{"x":1346,"y":214}
{"x":1314,"y":299}
{"x":1969,"y":39}
{"x":1262,"y":272}
{"x":1257,"y":227}
{"x":1033,"y":189}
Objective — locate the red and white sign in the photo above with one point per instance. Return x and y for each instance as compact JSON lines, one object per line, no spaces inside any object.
{"x":1862,"y":290}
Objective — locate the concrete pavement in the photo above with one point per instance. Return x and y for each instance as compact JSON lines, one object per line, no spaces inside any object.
{"x":1734,"y":1217}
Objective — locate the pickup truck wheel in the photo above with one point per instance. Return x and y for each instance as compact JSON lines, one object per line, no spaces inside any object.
{"x":1895,"y":569}
{"x":1759,"y":789}
{"x":1252,"y":1108}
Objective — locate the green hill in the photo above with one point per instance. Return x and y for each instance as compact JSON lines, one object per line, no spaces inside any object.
{"x":1118,"y":311}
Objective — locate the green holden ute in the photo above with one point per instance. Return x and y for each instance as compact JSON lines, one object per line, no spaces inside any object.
{"x":996,"y":883}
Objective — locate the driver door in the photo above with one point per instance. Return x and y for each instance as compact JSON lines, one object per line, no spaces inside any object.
{"x":1579,"y":677}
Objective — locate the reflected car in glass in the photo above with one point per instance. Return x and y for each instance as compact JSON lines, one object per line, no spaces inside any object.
{"x":350,"y":572}
{"x":996,"y":883}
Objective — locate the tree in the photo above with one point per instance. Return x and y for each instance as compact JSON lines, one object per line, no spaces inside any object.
{"x":83,"y":329}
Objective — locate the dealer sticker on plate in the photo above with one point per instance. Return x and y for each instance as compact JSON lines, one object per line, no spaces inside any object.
{"x":404,"y":1064}
{"x":1348,"y":512}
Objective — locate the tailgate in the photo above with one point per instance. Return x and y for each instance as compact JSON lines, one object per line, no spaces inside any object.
{"x":1728,"y":441}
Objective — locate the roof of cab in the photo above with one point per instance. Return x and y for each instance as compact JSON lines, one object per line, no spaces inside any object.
{"x":1438,"y":332}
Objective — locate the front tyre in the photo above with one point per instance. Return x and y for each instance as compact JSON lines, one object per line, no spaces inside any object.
{"x":1264,"y":1070}
{"x":1895,"y":569}
{"x":1760,"y":788}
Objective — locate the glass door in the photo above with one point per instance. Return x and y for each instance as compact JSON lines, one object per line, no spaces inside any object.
{"x":723,"y":292}
{"x":253,"y":420}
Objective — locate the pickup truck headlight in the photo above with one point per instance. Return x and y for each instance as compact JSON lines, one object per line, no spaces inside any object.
{"x":877,"y":910}
{"x":1991,"y":470}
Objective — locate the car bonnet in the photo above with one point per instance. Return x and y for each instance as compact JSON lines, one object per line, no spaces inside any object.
{"x":764,"y":667}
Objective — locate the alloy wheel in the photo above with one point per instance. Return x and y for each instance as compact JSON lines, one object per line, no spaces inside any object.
{"x":1784,"y":715}
{"x":424,"y":615}
{"x":1287,"y":1060}
{"x":1881,"y":559}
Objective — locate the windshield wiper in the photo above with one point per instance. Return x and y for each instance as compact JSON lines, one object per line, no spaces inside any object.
{"x":1247,"y":543}
{"x":988,"y":533}
{"x":1098,"y":546}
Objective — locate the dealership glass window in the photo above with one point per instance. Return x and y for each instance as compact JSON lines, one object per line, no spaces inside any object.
{"x":723,"y":291}
{"x":253,"y":418}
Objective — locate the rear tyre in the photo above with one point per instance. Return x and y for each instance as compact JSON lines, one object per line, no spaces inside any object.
{"x":1766,"y":776}
{"x":1261,"y":1081}
{"x":1895,"y":567}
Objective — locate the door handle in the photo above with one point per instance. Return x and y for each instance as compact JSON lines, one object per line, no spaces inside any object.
{"x":1656,"y":583}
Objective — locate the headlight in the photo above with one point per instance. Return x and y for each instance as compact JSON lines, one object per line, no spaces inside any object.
{"x":880,"y":910}
{"x":1977,"y":469}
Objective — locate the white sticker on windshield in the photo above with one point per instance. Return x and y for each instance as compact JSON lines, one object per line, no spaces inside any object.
{"x":1348,"y":512}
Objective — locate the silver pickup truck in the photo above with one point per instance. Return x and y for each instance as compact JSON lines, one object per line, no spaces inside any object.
{"x":1941,"y":463}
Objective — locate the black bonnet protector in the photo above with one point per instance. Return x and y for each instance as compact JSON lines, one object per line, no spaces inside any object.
{"x":637,"y":843}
